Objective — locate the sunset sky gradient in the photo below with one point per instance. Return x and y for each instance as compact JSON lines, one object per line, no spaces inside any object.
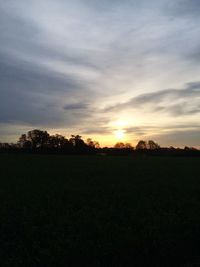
{"x":96,"y":68}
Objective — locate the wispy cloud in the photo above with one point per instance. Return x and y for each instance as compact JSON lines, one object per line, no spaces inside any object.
{"x":177,"y":102}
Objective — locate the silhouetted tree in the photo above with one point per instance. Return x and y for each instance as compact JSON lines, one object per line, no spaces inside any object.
{"x":190,"y":148}
{"x":57,"y":142}
{"x":41,"y":141}
{"x":23,"y":142}
{"x":119,"y":145}
{"x":77,"y":141}
{"x":93,"y":144}
{"x":152,"y":145}
{"x":37,"y":138}
{"x":141,"y":145}
{"x":128,"y":145}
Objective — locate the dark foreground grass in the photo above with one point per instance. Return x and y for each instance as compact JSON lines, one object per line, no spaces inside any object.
{"x":99,"y":211}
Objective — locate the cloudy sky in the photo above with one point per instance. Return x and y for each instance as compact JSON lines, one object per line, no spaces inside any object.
{"x":110,"y":70}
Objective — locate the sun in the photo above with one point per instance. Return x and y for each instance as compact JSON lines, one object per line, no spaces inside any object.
{"x":119,"y":134}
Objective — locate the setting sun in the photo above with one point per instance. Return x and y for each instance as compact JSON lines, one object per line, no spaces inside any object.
{"x":119,"y":134}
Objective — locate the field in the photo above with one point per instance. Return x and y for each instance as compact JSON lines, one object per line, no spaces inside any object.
{"x":99,"y":211}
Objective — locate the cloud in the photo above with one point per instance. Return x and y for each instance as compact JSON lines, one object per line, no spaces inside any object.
{"x":96,"y":130}
{"x":175,"y":135}
{"x":75,"y":106}
{"x":185,"y":8}
{"x":61,"y":62}
{"x":32,"y":95}
{"x":179,"y":138}
{"x":177,"y":102}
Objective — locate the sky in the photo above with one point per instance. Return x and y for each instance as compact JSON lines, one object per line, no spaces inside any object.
{"x":111,"y":70}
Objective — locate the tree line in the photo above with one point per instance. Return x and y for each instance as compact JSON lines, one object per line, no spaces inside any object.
{"x":38,"y":141}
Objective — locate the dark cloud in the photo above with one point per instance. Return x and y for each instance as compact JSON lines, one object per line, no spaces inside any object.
{"x":109,"y":6}
{"x":96,"y":125}
{"x":30,"y":94}
{"x":96,"y":130}
{"x":147,"y":128}
{"x":194,"y":55}
{"x":184,"y":8}
{"x":15,"y":31}
{"x":175,"y":101}
{"x":139,"y":130}
{"x":188,"y":137}
{"x":176,"y":135}
{"x":21,"y":37}
{"x":21,"y":75}
{"x":181,"y":109}
{"x":75,"y":106}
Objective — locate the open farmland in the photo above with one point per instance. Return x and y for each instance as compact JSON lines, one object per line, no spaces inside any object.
{"x":99,"y":211}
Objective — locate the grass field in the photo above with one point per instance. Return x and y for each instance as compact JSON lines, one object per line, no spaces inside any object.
{"x":99,"y":211}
